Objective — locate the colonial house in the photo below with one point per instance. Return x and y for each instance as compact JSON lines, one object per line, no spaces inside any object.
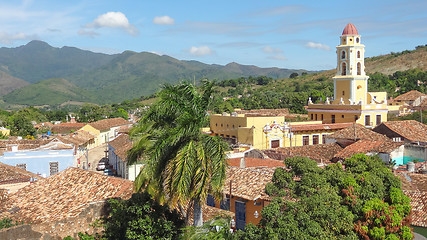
{"x":82,"y":142}
{"x":402,"y":104}
{"x":117,"y":157}
{"x":105,"y":130}
{"x":354,"y":133}
{"x":351,"y":102}
{"x":44,"y":157}
{"x":412,"y":133}
{"x":66,"y":128}
{"x":388,"y":151}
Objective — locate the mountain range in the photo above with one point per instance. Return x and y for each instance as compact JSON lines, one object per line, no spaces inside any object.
{"x":39,"y":74}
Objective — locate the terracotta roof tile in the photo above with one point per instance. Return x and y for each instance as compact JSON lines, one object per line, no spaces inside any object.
{"x":359,"y":132}
{"x":367,"y":146}
{"x":321,"y":153}
{"x":64,"y":195}
{"x":248,"y":183}
{"x":11,"y":174}
{"x":414,"y":185}
{"x":409,"y":129}
{"x":23,"y":143}
{"x":77,"y":138}
{"x":409,"y":96}
{"x":255,"y":162}
{"x":67,"y":127}
{"x":106,"y":124}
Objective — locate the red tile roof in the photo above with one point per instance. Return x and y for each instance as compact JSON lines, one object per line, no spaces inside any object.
{"x":121,"y":144}
{"x":248,"y":183}
{"x":106,"y":124}
{"x":23,"y":143}
{"x":409,"y":96}
{"x":64,"y":195}
{"x":322,"y":127}
{"x":357,"y":131}
{"x":77,"y":138}
{"x":67,"y":127}
{"x":11,"y":174}
{"x":409,"y":129}
{"x":321,"y":153}
{"x":367,"y":146}
{"x":255,"y":162}
{"x":414,"y":185}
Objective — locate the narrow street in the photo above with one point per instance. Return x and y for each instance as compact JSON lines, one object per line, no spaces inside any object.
{"x":94,"y":155}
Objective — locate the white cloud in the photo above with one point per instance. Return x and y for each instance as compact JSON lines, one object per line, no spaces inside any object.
{"x":318,"y":46}
{"x":279,"y":57}
{"x":164,"y":20}
{"x":6,"y":38}
{"x":200,"y":51}
{"x":113,"y":20}
{"x":268,"y":49}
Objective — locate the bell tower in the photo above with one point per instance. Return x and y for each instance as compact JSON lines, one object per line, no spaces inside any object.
{"x":350,"y":81}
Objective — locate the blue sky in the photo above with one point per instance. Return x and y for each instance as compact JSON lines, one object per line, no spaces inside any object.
{"x":286,"y":34}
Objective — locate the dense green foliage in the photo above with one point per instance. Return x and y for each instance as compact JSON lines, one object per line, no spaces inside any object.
{"x":363,"y":201}
{"x":181,"y":163}
{"x":141,"y":218}
{"x":399,"y":82}
{"x":7,"y":223}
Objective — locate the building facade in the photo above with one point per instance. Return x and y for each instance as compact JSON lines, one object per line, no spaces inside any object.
{"x":352,"y":102}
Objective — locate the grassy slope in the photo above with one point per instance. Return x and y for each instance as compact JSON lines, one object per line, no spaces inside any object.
{"x":48,"y":92}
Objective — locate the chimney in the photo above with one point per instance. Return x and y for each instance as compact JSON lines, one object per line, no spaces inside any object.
{"x":242,"y":162}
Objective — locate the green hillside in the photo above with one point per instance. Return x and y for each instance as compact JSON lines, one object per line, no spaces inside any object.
{"x":38,"y":60}
{"x":48,"y":92}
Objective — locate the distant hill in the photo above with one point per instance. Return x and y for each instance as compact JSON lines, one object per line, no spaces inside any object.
{"x":112,"y":78}
{"x":9,"y":83}
{"x":48,"y":92}
{"x":38,"y":60}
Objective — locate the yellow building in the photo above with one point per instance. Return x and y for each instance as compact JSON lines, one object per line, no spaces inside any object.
{"x":352,"y":102}
{"x":5,"y":131}
{"x":264,"y":132}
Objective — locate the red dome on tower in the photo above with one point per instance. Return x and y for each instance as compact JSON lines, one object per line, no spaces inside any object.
{"x":350,"y":29}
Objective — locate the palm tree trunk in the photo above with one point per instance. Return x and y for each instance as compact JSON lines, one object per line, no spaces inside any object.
{"x":197,"y":213}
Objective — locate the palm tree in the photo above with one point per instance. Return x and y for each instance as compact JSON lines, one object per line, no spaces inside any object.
{"x":182,"y":165}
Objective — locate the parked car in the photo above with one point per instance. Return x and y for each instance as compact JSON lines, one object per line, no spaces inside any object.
{"x":102,"y":165}
{"x":108,"y":172}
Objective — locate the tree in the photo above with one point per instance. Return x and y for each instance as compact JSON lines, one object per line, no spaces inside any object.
{"x":141,"y":218}
{"x":294,"y":75}
{"x":362,"y":201}
{"x":181,"y":164}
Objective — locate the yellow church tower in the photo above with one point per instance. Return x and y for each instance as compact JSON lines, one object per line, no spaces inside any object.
{"x":351,"y":102}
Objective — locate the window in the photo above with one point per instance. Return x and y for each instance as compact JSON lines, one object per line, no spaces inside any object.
{"x":22,"y":166}
{"x":358,"y":54}
{"x":359,"y":68}
{"x":355,"y":118}
{"x":357,"y":40}
{"x":343,"y":69}
{"x":216,"y":124}
{"x":323,"y":138}
{"x":233,"y":125}
{"x":311,"y":116}
{"x":305,"y":140}
{"x":53,"y":168}
{"x":225,"y":204}
{"x":227,"y":125}
{"x":342,"y":54}
{"x":315,"y":116}
{"x":378,"y":120}
{"x":342,"y":116}
{"x":315,"y":139}
{"x":321,"y":117}
{"x":275,"y":143}
{"x":210,"y":201}
{"x":397,"y":139}
{"x":227,"y":136}
{"x":368,"y":120}
{"x":221,"y":124}
{"x":333,"y":118}
{"x":343,"y":93}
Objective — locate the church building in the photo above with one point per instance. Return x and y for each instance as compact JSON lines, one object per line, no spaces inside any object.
{"x":351,"y":102}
